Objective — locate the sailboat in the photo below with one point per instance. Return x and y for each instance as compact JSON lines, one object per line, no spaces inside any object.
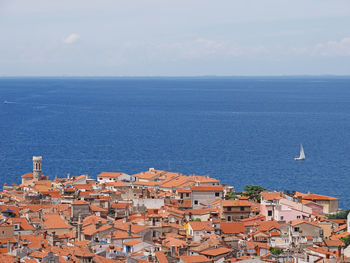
{"x":302,"y":154}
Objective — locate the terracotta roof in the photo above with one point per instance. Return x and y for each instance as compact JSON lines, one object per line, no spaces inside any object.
{"x":236,"y":203}
{"x":301,"y":221}
{"x":216,"y":252}
{"x":80,"y":202}
{"x":268,"y":225}
{"x":92,"y":219}
{"x":339,"y":236}
{"x":334,"y":243}
{"x":322,"y":250}
{"x":119,"y":234}
{"x":198,"y":226}
{"x":318,"y":197}
{"x":195,"y":259}
{"x":203,"y":179}
{"x":232,"y":227}
{"x":24,"y":224}
{"x":207,"y":188}
{"x":120,"y":205}
{"x":340,"y":228}
{"x":274,"y":234}
{"x":272,"y":195}
{"x":35,"y":241}
{"x":53,"y":221}
{"x":27,"y":175}
{"x":161,"y":257}
{"x":109,"y":175}
{"x":95,"y":208}
{"x":117,"y":184}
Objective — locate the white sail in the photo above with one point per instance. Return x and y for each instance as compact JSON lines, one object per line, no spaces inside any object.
{"x":302,"y":154}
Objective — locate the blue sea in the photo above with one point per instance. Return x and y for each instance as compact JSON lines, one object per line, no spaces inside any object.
{"x":239,"y":130}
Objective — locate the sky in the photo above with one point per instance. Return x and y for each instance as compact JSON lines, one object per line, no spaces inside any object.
{"x":174,"y":37}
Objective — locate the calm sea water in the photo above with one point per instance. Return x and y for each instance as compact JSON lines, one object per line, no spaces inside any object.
{"x":239,"y":130}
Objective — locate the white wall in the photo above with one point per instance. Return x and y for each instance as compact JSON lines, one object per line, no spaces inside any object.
{"x":149,"y":203}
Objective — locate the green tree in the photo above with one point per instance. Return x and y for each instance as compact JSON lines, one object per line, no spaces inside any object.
{"x":339,"y":215}
{"x":275,"y":251}
{"x":253,"y":191}
{"x":231,"y":195}
{"x":346,"y":240}
{"x":198,"y":220}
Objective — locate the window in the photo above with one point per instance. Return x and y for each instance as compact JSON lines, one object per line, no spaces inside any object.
{"x":228,"y":208}
{"x":242,"y":217}
{"x":196,"y":202}
{"x":242,"y":208}
{"x":296,"y":229}
{"x":187,"y":194}
{"x":298,"y":217}
{"x":217,"y":194}
{"x":269,"y":213}
{"x":282,"y":217}
{"x":229,"y":218}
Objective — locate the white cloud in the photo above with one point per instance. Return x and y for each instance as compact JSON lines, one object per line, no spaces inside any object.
{"x":71,"y":38}
{"x":333,"y":48}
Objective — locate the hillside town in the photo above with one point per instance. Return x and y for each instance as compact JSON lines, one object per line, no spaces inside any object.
{"x":162,"y":216}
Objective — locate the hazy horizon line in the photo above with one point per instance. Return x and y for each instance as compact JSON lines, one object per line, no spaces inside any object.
{"x":176,"y":76}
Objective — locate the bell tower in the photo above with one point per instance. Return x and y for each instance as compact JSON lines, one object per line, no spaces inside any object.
{"x":37,"y":160}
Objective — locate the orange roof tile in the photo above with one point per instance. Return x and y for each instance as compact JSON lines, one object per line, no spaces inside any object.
{"x":207,"y":188}
{"x":216,"y":252}
{"x":334,"y":243}
{"x":117,"y":184}
{"x":24,"y":224}
{"x":232,"y":227}
{"x":27,"y":175}
{"x":267,"y":225}
{"x":80,"y":202}
{"x":195,"y":259}
{"x":53,"y":221}
{"x":318,"y":197}
{"x":198,"y":226}
{"x":272,"y":195}
{"x":161,"y":257}
{"x":109,"y":175}
{"x":236,"y":203}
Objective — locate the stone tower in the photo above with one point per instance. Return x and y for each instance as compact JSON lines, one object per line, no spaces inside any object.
{"x":37,"y":167}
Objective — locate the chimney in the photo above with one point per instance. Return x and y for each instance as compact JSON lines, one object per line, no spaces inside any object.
{"x":19,"y":239}
{"x":68,"y":175}
{"x":173,"y":251}
{"x":111,"y":236}
{"x":98,"y":224}
{"x":8,"y":246}
{"x":257,"y":249}
{"x":44,"y":234}
{"x":308,"y":192}
{"x":339,"y":253}
{"x":300,"y":199}
{"x":129,"y":230}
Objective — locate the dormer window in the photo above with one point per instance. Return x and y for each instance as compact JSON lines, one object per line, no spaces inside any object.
{"x":17,"y":226}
